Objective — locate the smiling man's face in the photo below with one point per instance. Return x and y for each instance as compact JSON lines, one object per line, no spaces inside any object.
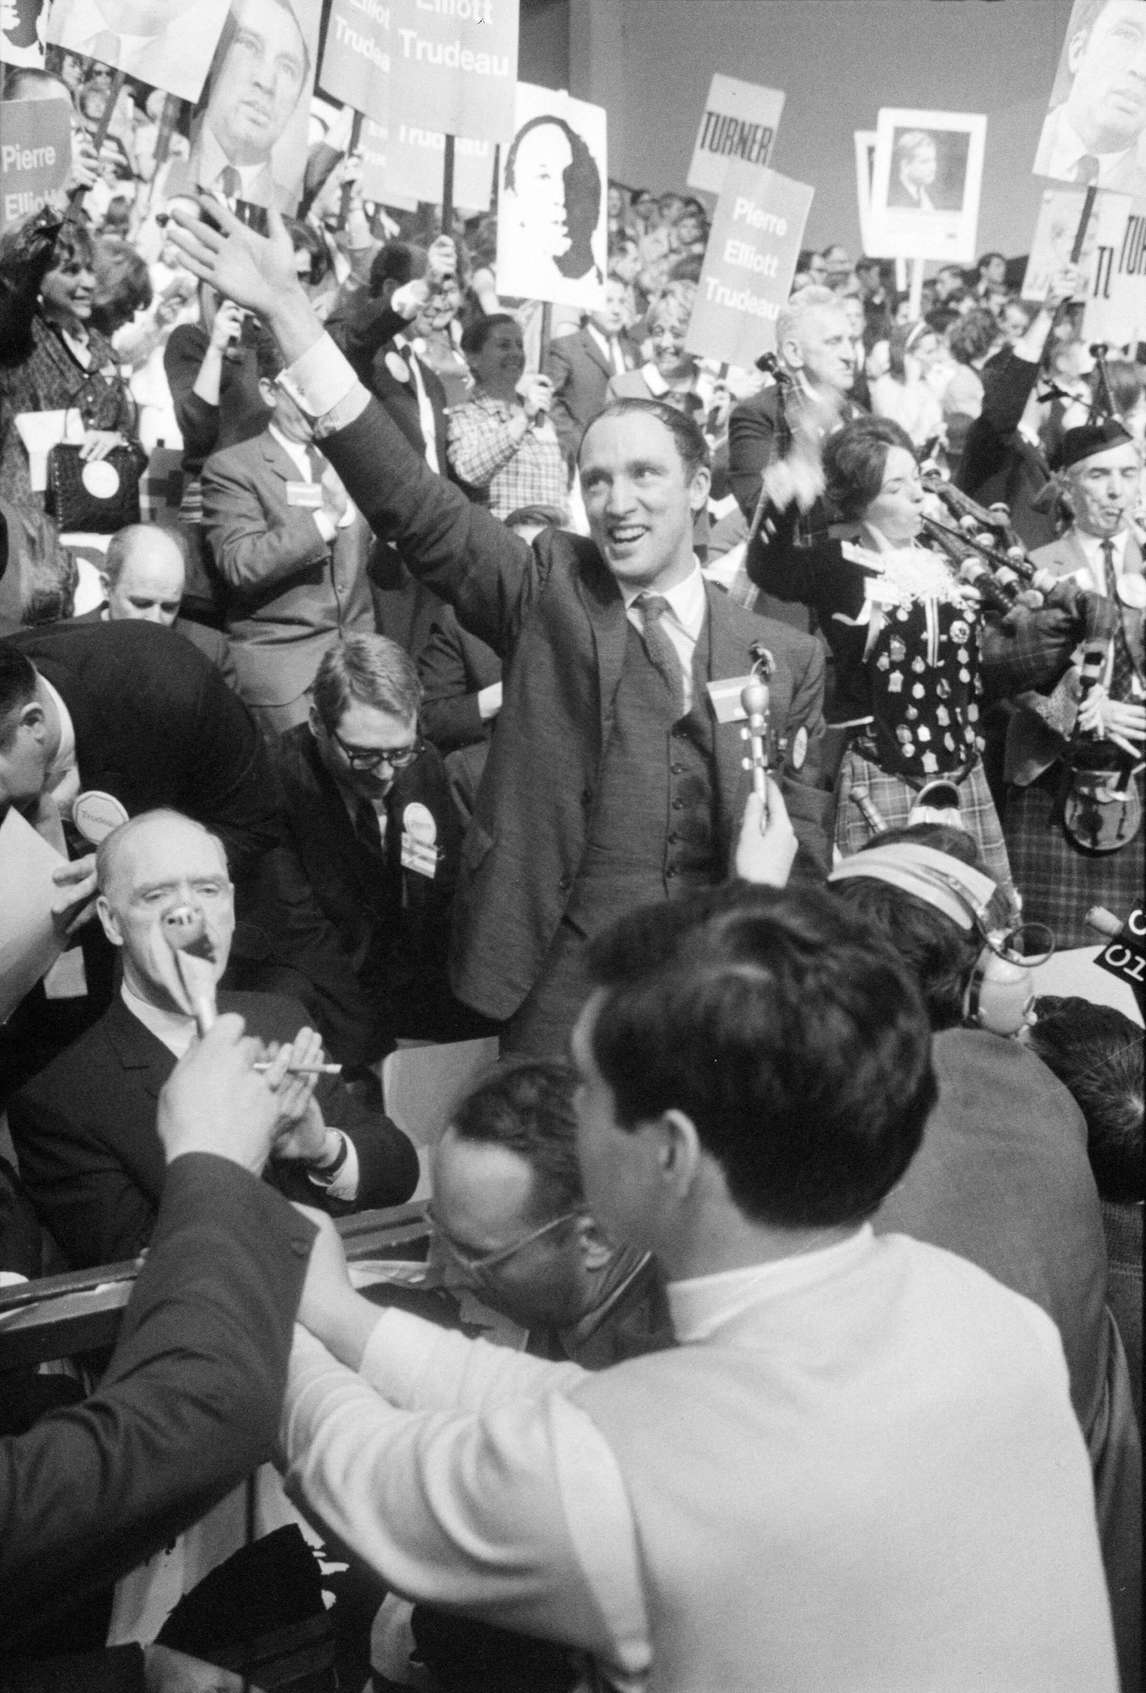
{"x":640,"y":499}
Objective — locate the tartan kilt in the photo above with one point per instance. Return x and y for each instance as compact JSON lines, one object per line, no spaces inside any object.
{"x":893,"y":798}
{"x":1059,"y":880}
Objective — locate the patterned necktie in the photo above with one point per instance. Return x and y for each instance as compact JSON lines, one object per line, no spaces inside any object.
{"x":1086,"y":170}
{"x":660,"y":648}
{"x":1109,"y":579}
{"x":230,"y":182}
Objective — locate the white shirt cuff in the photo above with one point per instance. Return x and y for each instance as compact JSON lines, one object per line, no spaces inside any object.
{"x":319,"y":379}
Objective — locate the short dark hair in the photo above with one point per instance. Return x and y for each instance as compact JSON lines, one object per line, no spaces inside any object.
{"x":476,"y":334}
{"x":398,"y":262}
{"x":688,"y":435}
{"x":974,"y":335}
{"x":940,"y":954}
{"x":526,"y":1106}
{"x":854,"y":461}
{"x":75,"y":244}
{"x":122,"y":284}
{"x":787,"y":1031}
{"x":269,"y":361}
{"x":1096,"y":1052}
{"x":17,"y":687}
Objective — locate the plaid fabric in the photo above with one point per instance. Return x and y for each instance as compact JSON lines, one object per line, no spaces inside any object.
{"x":484,"y":452}
{"x":893,"y":798}
{"x":1060,"y":881}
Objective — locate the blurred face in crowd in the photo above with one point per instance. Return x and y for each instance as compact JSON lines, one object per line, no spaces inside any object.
{"x":640,"y":499}
{"x":441,"y":307}
{"x":616,"y":205}
{"x":1103,"y":488}
{"x":483,"y":1207}
{"x":163,"y":864}
{"x":259,"y":81}
{"x":852,"y":307}
{"x":360,"y":749}
{"x":149,"y":586}
{"x":1106,"y":105}
{"x":645,"y":209}
{"x":543,"y":157}
{"x":610,"y":317}
{"x":823,"y":350}
{"x":500,"y":364}
{"x":690,"y":229}
{"x":290,"y":419}
{"x":671,"y":206}
{"x":667,"y":333}
{"x":1013,"y":321}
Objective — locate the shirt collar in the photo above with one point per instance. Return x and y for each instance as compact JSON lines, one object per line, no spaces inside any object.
{"x":213,"y":161}
{"x":687,"y":601}
{"x":703,"y":1304}
{"x":174,"y":1028}
{"x":1092,"y":546}
{"x":1070,"y":151}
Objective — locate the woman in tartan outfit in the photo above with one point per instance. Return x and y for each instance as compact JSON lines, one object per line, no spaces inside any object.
{"x":906,"y":635}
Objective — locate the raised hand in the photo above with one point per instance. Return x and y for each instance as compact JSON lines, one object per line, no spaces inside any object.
{"x":256,"y":271}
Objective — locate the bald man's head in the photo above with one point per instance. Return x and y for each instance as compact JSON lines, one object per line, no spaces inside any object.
{"x":144,"y":574}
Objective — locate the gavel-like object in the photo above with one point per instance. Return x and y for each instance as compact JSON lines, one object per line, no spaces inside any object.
{"x":186,"y":934}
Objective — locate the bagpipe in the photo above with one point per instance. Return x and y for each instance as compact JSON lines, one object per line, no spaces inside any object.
{"x":982,"y":545}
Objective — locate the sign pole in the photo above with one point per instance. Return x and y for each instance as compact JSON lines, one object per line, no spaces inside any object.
{"x":915,"y":300}
{"x":352,"y":147}
{"x":448,"y":187}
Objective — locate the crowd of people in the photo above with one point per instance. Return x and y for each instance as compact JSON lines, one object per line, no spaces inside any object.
{"x":396,"y":635}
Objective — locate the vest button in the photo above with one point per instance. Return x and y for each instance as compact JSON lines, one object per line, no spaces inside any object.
{"x":565,"y":884}
{"x":673,"y":838}
{"x":586,"y":796}
{"x":678,"y":805}
{"x":676,"y":769}
{"x":671,"y":871}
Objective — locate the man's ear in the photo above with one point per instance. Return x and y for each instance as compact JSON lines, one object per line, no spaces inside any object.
{"x":267,"y":392}
{"x":109,"y":921}
{"x":679,"y":1151}
{"x":698,"y":492}
{"x":1075,"y":49}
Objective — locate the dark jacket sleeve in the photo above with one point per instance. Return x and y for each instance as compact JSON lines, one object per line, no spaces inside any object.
{"x":474,"y":562}
{"x":188,"y":1406}
{"x":387,"y":1161}
{"x":1005,"y":397}
{"x":27,"y":261}
{"x":117,"y":1669}
{"x":359,"y":327}
{"x":751,"y":434}
{"x":454,"y":667}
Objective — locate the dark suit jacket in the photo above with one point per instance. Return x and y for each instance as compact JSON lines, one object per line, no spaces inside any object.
{"x":290,"y":595}
{"x":556,"y":617}
{"x":188,"y":1406}
{"x":580,"y":374}
{"x":212,"y":643}
{"x":364,"y":329}
{"x":752,"y":427}
{"x":454,"y":668}
{"x":1000,"y":464}
{"x":93,"y":1164}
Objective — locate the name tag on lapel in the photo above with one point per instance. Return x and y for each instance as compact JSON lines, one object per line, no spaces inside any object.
{"x":306,"y":495}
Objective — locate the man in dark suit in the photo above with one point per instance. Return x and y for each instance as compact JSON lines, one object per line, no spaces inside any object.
{"x":291,"y":550}
{"x":85,"y":1127}
{"x":580,"y":367}
{"x":190,"y":1402}
{"x":611,"y":778}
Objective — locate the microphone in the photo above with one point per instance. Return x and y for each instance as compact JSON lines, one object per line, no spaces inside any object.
{"x":186,"y":934}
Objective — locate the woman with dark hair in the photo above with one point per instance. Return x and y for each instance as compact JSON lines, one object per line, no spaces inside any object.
{"x":905,"y":635}
{"x":501,"y":442}
{"x":52,"y":357}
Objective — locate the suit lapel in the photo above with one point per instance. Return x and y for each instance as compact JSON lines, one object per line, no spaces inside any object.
{"x":593,"y":352}
{"x":136,"y":1048}
{"x":278,"y":459}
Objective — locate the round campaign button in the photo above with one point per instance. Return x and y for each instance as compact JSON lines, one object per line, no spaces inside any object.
{"x":799,"y":747}
{"x":96,"y":814}
{"x":397,"y":367}
{"x":1132,"y":591}
{"x":101,"y":479}
{"x":418,"y":823}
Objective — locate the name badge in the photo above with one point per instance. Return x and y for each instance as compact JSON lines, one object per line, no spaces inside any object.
{"x":725,"y":697}
{"x":419,"y":840}
{"x":306,"y":495}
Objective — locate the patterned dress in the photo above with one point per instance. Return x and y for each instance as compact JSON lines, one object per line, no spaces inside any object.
{"x":50,"y":378}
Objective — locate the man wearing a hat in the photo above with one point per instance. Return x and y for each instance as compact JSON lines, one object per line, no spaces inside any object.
{"x":1075,"y":750}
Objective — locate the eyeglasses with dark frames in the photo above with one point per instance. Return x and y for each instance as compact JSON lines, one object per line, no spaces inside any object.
{"x":369,"y":758}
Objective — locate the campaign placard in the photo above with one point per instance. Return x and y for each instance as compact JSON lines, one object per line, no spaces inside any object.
{"x":1095,"y":127}
{"x":865,"y":164}
{"x":402,"y":164}
{"x":1112,"y":260}
{"x":926,"y":182}
{"x":455,"y":61}
{"x":35,"y":153}
{"x":552,"y":206}
{"x":757,"y":232}
{"x":167,"y":44}
{"x":739,"y":122}
{"x":356,"y":57}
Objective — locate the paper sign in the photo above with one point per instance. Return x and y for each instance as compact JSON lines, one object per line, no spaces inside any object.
{"x":249,"y":139}
{"x":402,"y":164}
{"x":20,"y":42}
{"x":1116,"y":305}
{"x":757,"y":233}
{"x":356,"y":57}
{"x":455,"y":62}
{"x":925,"y":189}
{"x":552,"y":208}
{"x":1126,"y":956}
{"x":865,"y":164}
{"x":167,"y":44}
{"x":29,"y":944}
{"x":739,"y":121}
{"x":1095,"y":129}
{"x":35,"y":152}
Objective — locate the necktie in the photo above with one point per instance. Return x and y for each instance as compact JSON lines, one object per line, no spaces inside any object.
{"x":1086,"y":170}
{"x":1109,"y":580}
{"x":660,"y":648}
{"x":316,"y":462}
{"x":617,"y":355}
{"x":368,"y":826}
{"x":230,"y":182}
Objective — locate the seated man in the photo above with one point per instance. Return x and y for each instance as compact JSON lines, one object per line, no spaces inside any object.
{"x":292,"y":552}
{"x":858,"y":1467}
{"x":143,"y":577}
{"x":85,"y":1128}
{"x":366,"y":810}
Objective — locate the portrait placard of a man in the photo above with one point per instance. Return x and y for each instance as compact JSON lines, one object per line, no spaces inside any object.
{"x":249,"y":144}
{"x":1095,"y":131}
{"x":165,"y":43}
{"x":926,"y":176}
{"x":551,"y":214}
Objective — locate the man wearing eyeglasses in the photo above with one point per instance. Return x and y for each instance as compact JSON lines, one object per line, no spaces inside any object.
{"x":366,"y":809}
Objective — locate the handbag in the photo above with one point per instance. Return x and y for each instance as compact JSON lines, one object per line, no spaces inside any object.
{"x":98,"y":496}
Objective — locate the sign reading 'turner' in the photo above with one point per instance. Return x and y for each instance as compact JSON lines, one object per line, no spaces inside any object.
{"x":35,"y":152}
{"x":739,"y":121}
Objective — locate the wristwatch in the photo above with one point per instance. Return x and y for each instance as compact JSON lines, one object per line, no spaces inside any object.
{"x":322,"y":1175}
